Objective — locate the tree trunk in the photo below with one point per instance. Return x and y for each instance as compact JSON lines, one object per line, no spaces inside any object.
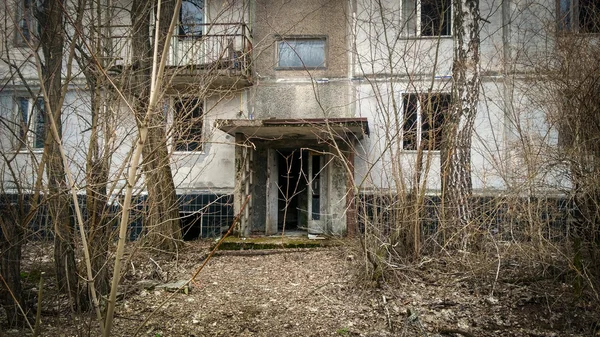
{"x":97,"y":199}
{"x":458,"y":128}
{"x":162,"y":218}
{"x":11,"y":236}
{"x":52,"y":41}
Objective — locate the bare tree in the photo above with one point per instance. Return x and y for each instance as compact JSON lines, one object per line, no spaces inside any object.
{"x":162,"y":219}
{"x":52,"y":40}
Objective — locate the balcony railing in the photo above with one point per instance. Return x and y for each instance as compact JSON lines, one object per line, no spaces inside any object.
{"x":222,"y":47}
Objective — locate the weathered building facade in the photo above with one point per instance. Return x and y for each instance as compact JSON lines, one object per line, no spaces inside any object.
{"x":302,"y":106}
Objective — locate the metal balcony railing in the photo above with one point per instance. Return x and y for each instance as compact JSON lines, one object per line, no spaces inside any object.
{"x":215,"y":46}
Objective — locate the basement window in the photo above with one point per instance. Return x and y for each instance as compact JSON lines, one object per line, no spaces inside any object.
{"x":187,"y":124}
{"x":301,"y":53}
{"x":423,"y":119}
{"x":426,"y":18}
{"x":582,"y":16}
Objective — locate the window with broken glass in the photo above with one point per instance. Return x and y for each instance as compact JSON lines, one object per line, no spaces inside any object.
{"x":423,"y":119}
{"x":426,"y":18}
{"x":581,"y":16}
{"x":187,"y":124}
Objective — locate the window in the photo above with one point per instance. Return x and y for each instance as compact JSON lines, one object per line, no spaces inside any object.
{"x":427,"y":17}
{"x":25,"y":21}
{"x":191,"y":18}
{"x":579,"y":16}
{"x":300,"y":53}
{"x":187,"y":124}
{"x":423,"y":118}
{"x":30,"y":123}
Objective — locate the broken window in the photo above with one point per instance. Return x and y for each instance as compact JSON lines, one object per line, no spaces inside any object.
{"x":423,"y":118}
{"x":191,"y":18}
{"x":187,"y":124}
{"x":301,"y":53}
{"x":426,"y":17}
{"x":581,"y":16}
{"x":31,"y":126}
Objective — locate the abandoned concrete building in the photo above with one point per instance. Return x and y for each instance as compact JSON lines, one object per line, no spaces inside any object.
{"x":301,"y":105}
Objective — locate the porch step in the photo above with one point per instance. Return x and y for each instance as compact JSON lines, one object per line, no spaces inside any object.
{"x":274,"y":242}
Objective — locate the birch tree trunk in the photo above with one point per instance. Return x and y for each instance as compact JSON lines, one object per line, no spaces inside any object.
{"x":456,"y":146}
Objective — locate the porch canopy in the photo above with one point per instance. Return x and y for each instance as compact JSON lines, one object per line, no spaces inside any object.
{"x":311,"y":128}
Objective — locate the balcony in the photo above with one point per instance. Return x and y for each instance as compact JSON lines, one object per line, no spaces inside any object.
{"x":217,"y":54}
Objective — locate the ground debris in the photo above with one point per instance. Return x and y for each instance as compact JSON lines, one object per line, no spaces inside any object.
{"x":322,"y":292}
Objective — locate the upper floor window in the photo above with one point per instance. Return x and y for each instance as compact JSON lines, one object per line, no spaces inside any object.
{"x":191,"y":18}
{"x":423,"y":119}
{"x":426,"y":18}
{"x":300,"y":53}
{"x":31,"y":125}
{"x":579,"y":16}
{"x":187,"y":124}
{"x":25,"y":21}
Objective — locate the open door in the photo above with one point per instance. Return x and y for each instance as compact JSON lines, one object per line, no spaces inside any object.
{"x":272,"y":192}
{"x":317,"y":192}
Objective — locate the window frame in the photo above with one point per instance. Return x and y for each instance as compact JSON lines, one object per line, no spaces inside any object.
{"x":412,"y":27}
{"x":419,"y":121}
{"x":286,"y":39}
{"x":27,"y":123}
{"x":24,"y":17}
{"x":186,"y":139}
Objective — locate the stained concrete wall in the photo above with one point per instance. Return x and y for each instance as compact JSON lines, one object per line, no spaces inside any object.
{"x":309,"y":93}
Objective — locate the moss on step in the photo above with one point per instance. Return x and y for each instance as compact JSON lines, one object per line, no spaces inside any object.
{"x":264,"y":242}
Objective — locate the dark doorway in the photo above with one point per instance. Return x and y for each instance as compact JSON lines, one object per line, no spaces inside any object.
{"x":293,"y":192}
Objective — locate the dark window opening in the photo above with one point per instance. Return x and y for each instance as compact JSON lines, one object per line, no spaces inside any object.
{"x":581,"y":16}
{"x":426,"y":18}
{"x":187,"y":124}
{"x":435,"y":17}
{"x":423,"y":120}
{"x":410,"y":120}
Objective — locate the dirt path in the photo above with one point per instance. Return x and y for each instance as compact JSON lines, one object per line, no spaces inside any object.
{"x":317,"y":293}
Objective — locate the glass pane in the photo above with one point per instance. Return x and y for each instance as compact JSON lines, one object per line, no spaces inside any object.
{"x":191,"y":18}
{"x":301,"y":53}
{"x":409,"y":17}
{"x":23,"y":106}
{"x":564,"y":18}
